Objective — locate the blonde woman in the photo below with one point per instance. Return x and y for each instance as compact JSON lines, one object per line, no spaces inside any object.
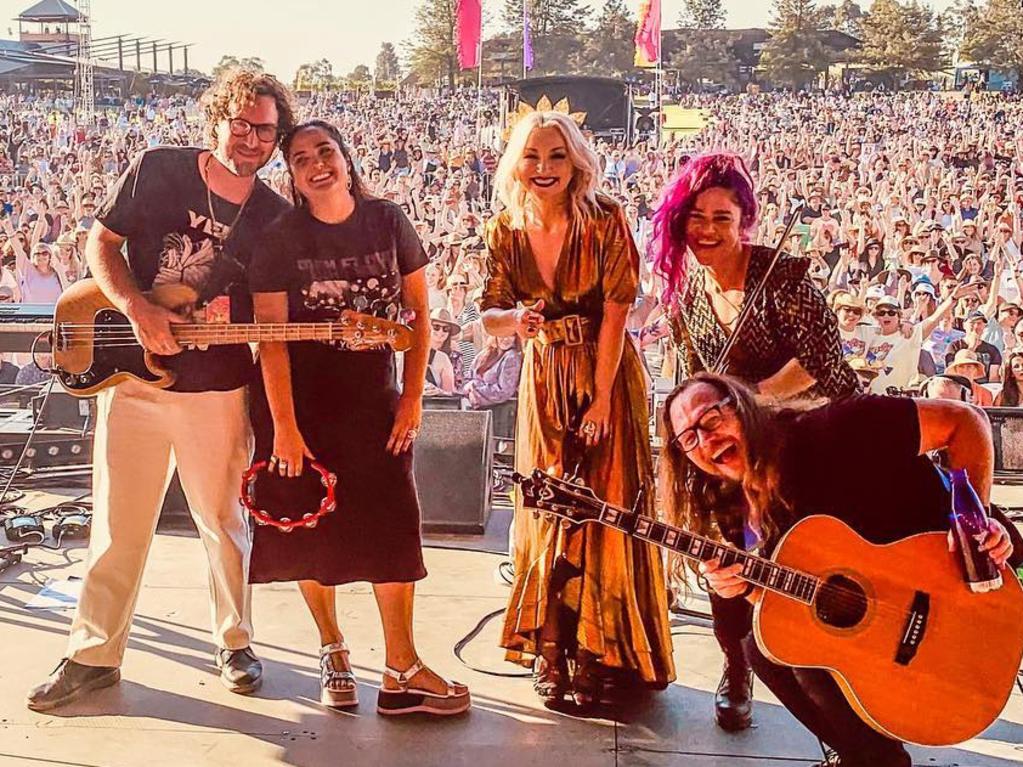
{"x":563,"y":273}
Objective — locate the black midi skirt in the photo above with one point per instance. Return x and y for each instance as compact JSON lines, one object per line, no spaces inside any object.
{"x":345,"y":404}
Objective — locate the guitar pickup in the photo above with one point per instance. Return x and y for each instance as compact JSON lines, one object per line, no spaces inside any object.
{"x":916,"y":627}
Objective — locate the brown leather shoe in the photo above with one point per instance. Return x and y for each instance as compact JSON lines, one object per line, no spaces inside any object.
{"x":69,"y":682}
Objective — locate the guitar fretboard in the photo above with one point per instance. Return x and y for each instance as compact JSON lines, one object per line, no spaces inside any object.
{"x":763,"y":572}
{"x":269,"y":332}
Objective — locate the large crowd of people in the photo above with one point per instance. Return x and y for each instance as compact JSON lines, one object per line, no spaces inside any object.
{"x":907,"y":200}
{"x":546,"y":266}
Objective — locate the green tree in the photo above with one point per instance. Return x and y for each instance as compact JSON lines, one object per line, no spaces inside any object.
{"x":992,"y":35}
{"x":794,"y":55}
{"x":609,"y":49}
{"x":387,"y":66}
{"x":547,"y":17}
{"x":225,"y":63}
{"x":433,"y":51}
{"x":901,"y":39}
{"x":702,"y":14}
{"x":846,"y":16}
{"x":706,"y":55}
{"x":230,"y":62}
{"x":558,"y":31}
{"x":315,"y":76}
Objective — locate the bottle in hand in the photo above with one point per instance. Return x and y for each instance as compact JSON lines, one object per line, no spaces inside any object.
{"x":969,"y":519}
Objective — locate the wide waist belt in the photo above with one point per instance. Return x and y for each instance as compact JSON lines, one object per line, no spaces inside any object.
{"x":572,"y":330}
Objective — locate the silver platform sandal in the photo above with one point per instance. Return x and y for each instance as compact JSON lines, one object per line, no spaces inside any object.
{"x":337,"y":686}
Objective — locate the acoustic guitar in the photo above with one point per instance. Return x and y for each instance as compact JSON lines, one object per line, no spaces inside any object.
{"x":919,"y":656}
{"x":94,"y":346}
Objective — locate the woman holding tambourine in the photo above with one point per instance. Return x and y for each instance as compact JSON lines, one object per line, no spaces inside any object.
{"x":339,"y":249}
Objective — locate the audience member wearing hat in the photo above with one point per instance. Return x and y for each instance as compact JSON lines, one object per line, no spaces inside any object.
{"x":986,"y":354}
{"x":965,"y":363}
{"x":896,"y":354}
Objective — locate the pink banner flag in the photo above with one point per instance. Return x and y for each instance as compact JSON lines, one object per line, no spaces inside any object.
{"x":648,"y":34}
{"x":470,"y":32}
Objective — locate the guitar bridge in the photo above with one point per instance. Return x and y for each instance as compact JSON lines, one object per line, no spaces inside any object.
{"x":916,"y":627}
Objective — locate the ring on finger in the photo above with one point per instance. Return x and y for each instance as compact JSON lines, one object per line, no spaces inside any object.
{"x":589,"y":428}
{"x":412,"y":433}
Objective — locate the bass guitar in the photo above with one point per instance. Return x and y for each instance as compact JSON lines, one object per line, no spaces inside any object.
{"x":918,"y":655}
{"x":94,"y":346}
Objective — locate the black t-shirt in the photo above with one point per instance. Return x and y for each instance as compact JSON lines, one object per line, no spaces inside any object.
{"x":161,"y":206}
{"x":859,"y":460}
{"x":325,"y":268}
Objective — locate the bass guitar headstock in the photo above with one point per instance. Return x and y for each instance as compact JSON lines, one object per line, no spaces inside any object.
{"x":364,"y":331}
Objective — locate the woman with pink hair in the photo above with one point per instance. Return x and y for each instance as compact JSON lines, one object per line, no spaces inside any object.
{"x":788,"y":346}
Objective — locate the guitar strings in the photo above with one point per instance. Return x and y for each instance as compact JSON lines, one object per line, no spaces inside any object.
{"x":844,"y":596}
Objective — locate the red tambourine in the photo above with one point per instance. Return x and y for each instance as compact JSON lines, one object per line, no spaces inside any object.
{"x":284,"y":524}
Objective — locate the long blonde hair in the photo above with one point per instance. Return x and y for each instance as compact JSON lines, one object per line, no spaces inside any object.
{"x":582,"y":189}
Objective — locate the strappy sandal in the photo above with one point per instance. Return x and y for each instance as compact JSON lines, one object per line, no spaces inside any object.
{"x":588,"y":680}
{"x":409,"y":700}
{"x":337,"y":685}
{"x":550,"y":673}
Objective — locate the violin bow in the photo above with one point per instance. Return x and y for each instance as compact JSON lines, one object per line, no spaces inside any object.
{"x":754,"y":295}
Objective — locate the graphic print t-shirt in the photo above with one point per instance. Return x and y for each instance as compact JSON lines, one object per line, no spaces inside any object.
{"x":327,"y":268}
{"x":161,"y":206}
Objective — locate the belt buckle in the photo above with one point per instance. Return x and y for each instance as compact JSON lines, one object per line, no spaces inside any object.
{"x":573,"y":330}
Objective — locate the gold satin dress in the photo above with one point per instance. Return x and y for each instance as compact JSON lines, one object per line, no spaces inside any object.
{"x":620,"y":597}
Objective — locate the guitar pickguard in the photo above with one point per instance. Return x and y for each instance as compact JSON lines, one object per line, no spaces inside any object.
{"x":115,"y":351}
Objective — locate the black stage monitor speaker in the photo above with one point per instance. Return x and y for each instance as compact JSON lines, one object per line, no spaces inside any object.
{"x":453,"y":463}
{"x":604,"y":100}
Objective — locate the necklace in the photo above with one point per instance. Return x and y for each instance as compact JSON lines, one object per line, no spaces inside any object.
{"x":715,"y":290}
{"x":209,"y":201}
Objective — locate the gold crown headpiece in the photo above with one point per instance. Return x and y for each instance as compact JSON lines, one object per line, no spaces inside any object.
{"x":543,"y":105}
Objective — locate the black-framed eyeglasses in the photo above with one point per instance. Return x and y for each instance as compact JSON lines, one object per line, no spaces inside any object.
{"x":688,"y":439}
{"x":265,"y":132}
{"x":885,"y":313}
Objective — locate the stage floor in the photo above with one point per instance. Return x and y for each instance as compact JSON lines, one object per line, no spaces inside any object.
{"x":171,"y":711}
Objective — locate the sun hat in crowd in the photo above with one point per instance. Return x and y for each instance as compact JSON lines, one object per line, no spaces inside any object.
{"x":863,"y":368}
{"x":966,"y":358}
{"x":876,"y":292}
{"x":1009,"y":305}
{"x":443,"y":316}
{"x":925,"y":287}
{"x":848,"y":301}
{"x":890,"y":301}
{"x":976,"y":314}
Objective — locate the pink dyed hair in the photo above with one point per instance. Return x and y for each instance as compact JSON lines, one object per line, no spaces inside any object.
{"x":722,"y":169}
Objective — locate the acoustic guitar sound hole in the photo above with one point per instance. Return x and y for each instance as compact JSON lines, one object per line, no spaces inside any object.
{"x":841,"y":602}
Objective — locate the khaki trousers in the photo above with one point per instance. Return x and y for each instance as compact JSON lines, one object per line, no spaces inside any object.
{"x":142,"y":433}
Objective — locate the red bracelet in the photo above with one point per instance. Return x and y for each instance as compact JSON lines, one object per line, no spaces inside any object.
{"x":284,"y":524}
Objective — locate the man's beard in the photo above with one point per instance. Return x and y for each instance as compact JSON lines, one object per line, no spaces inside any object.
{"x":241,"y":167}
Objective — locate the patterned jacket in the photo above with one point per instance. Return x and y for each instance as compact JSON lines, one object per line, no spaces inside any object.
{"x":791,"y":321}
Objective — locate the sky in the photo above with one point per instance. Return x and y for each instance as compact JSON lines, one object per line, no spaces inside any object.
{"x":288,"y":33}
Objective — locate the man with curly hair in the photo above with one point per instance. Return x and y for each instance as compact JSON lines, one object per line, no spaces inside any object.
{"x":188,"y":216}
